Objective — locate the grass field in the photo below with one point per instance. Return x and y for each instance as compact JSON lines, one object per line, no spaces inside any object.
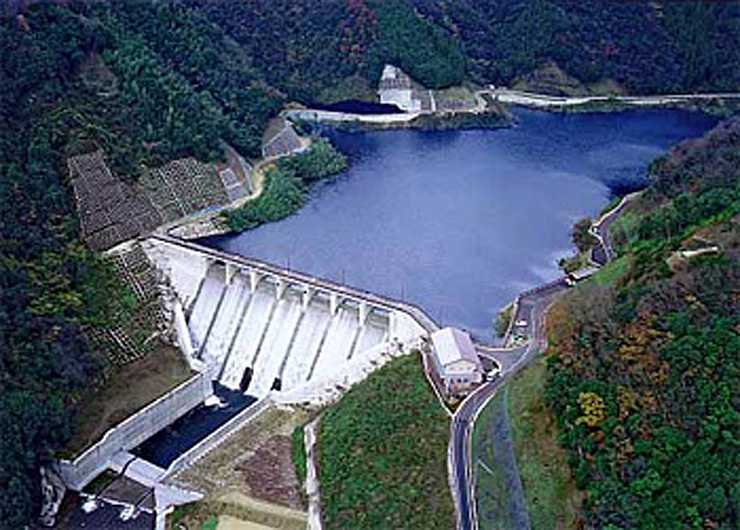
{"x":383,"y":454}
{"x":299,"y":453}
{"x":613,"y":271}
{"x":552,"y":498}
{"x":491,"y":487}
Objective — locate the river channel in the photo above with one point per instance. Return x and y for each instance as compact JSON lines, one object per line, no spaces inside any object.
{"x":459,"y":222}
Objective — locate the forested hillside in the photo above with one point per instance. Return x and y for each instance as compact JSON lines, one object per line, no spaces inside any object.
{"x":51,"y":287}
{"x":73,"y":81}
{"x":645,"y":46}
{"x":150,"y":82}
{"x":645,"y":360}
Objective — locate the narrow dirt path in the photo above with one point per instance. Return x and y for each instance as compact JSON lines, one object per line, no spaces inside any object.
{"x":312,"y":477}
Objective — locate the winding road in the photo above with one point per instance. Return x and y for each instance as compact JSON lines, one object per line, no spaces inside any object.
{"x":530,"y":99}
{"x":531,"y":308}
{"x":604,"y":252}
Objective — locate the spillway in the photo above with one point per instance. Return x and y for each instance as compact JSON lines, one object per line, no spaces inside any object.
{"x":206,"y":303}
{"x":338,"y":343}
{"x":259,"y":341}
{"x":306,"y":345}
{"x":235,"y":300}
{"x":258,"y":329}
{"x":248,"y":336}
{"x":274,"y":348}
{"x":373,"y":333}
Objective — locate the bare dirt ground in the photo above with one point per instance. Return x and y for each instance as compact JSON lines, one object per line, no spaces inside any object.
{"x":270,"y":515}
{"x":269,"y":473}
{"x":227,"y":522}
{"x":127,"y":390}
{"x":249,"y":480}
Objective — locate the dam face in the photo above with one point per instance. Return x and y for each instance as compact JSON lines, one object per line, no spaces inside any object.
{"x":279,"y":336}
{"x":258,"y":332}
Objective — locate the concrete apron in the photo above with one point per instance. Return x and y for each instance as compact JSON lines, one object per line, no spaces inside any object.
{"x":149,"y":475}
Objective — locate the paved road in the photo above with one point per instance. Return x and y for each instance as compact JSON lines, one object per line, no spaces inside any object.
{"x":532,"y":308}
{"x":604,"y":253}
{"x":530,"y":99}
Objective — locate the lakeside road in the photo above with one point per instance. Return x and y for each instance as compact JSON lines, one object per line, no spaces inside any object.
{"x":506,"y":96}
{"x":604,"y":252}
{"x":531,"y":308}
{"x":543,"y":101}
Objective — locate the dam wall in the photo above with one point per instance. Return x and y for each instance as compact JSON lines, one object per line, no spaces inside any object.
{"x":258,"y":328}
{"x":134,"y":430}
{"x":276,"y":334}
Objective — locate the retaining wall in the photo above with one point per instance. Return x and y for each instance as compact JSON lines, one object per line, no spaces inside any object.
{"x":134,"y":430}
{"x":218,"y":436}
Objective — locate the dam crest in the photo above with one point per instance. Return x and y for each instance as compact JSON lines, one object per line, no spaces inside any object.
{"x":257,"y":328}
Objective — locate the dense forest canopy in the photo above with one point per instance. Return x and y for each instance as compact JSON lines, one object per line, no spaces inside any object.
{"x":332,"y":49}
{"x":645,"y":46}
{"x":50,"y":286}
{"x":645,"y":368}
{"x":149,"y":82}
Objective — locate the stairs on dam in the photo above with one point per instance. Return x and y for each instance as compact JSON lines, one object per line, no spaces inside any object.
{"x":263,"y":337}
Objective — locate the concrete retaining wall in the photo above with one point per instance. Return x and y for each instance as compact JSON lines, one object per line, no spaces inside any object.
{"x":218,"y":436}
{"x":134,"y":430}
{"x":327,"y":116}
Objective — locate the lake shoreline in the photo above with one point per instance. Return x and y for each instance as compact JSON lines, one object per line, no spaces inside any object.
{"x":460,"y":222}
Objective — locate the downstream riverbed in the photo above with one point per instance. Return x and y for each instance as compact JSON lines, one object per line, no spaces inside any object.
{"x":459,"y":222}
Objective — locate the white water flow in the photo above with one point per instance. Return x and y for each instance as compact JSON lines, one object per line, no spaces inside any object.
{"x":248,"y":336}
{"x":205,"y":305}
{"x":275,"y":345}
{"x":338,"y":343}
{"x":224,"y":327}
{"x":306,"y":345}
{"x":251,"y":339}
{"x":372,"y":334}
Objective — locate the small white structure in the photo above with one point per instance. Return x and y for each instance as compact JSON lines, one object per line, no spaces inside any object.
{"x":456,"y":360}
{"x":396,"y":89}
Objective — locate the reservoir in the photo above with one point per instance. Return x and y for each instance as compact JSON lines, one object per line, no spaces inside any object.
{"x":460,"y":222}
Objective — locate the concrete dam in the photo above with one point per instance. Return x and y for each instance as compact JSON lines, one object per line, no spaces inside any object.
{"x":257,"y":328}
{"x":277,"y":335}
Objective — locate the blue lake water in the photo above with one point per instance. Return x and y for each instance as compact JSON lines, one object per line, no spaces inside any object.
{"x":358,"y":107}
{"x":460,"y":222}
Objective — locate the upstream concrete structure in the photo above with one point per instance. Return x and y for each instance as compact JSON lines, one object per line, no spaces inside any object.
{"x":397,"y":88}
